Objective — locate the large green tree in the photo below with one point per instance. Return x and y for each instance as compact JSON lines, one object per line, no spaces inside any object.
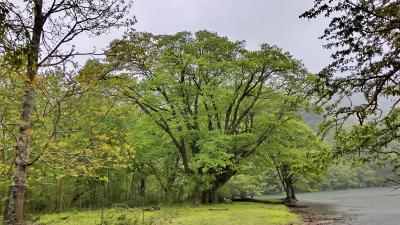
{"x":205,"y":93}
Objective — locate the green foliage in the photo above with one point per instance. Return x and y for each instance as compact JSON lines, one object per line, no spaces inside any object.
{"x":206,"y":93}
{"x":163,"y":120}
{"x":371,"y":142}
{"x":365,"y":43}
{"x":241,"y":186}
{"x":343,"y":176}
{"x":78,"y":135}
{"x":180,"y":118}
{"x":297,"y":149}
{"x":365,"y":39}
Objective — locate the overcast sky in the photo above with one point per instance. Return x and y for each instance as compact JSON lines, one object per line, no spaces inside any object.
{"x":256,"y":21}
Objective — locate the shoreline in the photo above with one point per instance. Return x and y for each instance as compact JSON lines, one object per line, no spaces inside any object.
{"x":311,"y":218}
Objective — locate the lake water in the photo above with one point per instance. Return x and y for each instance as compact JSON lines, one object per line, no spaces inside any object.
{"x":370,"y":206}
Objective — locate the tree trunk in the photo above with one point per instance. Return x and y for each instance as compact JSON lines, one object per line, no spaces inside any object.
{"x":293,"y":192}
{"x":15,"y":211}
{"x":287,"y":191}
{"x":142,"y":190}
{"x":290,"y":193}
{"x":61,"y":196}
{"x":208,"y":196}
{"x":5,"y":207}
{"x":204,"y":197}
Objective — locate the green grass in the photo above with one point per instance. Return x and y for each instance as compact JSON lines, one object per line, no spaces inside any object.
{"x":237,"y":214}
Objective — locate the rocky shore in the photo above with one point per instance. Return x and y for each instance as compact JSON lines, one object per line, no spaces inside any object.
{"x":311,"y":218}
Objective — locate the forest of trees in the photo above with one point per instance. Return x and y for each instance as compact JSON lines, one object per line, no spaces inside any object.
{"x":188,"y":117}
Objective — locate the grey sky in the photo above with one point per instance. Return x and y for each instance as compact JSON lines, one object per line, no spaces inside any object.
{"x":255,"y":21}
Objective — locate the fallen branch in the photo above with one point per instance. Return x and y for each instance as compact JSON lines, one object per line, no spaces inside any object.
{"x":225,"y":209}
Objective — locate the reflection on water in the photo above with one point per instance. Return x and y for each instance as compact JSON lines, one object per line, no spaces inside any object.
{"x":372,"y":206}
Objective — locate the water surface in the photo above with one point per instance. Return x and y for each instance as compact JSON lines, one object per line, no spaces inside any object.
{"x":370,"y":206}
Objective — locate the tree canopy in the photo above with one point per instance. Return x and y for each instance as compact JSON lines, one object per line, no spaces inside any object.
{"x":187,"y":117}
{"x":364,"y":36}
{"x":207,"y":92}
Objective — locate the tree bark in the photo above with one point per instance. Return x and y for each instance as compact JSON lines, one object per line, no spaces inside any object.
{"x":290,"y":192}
{"x":142,"y":187}
{"x":15,"y":211}
{"x":210,"y":195}
{"x":293,"y":192}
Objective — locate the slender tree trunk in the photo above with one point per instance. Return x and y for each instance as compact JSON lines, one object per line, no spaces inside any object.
{"x":131,"y":188}
{"x":142,"y":187}
{"x":94,"y":193}
{"x":61,"y":195}
{"x":290,"y":192}
{"x":293,"y":193}
{"x":204,"y":196}
{"x":3,"y":160}
{"x":212,"y":196}
{"x":3,"y":208}
{"x":15,"y":211}
{"x":126,"y":197}
{"x":56,"y":194}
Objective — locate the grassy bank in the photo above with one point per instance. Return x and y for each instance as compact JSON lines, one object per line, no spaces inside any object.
{"x":221,"y":214}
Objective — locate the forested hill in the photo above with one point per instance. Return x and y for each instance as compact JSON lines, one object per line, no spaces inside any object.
{"x":384,"y":105}
{"x":346,"y":173}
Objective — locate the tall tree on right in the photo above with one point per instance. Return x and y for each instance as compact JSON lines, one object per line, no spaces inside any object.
{"x":365,"y":38}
